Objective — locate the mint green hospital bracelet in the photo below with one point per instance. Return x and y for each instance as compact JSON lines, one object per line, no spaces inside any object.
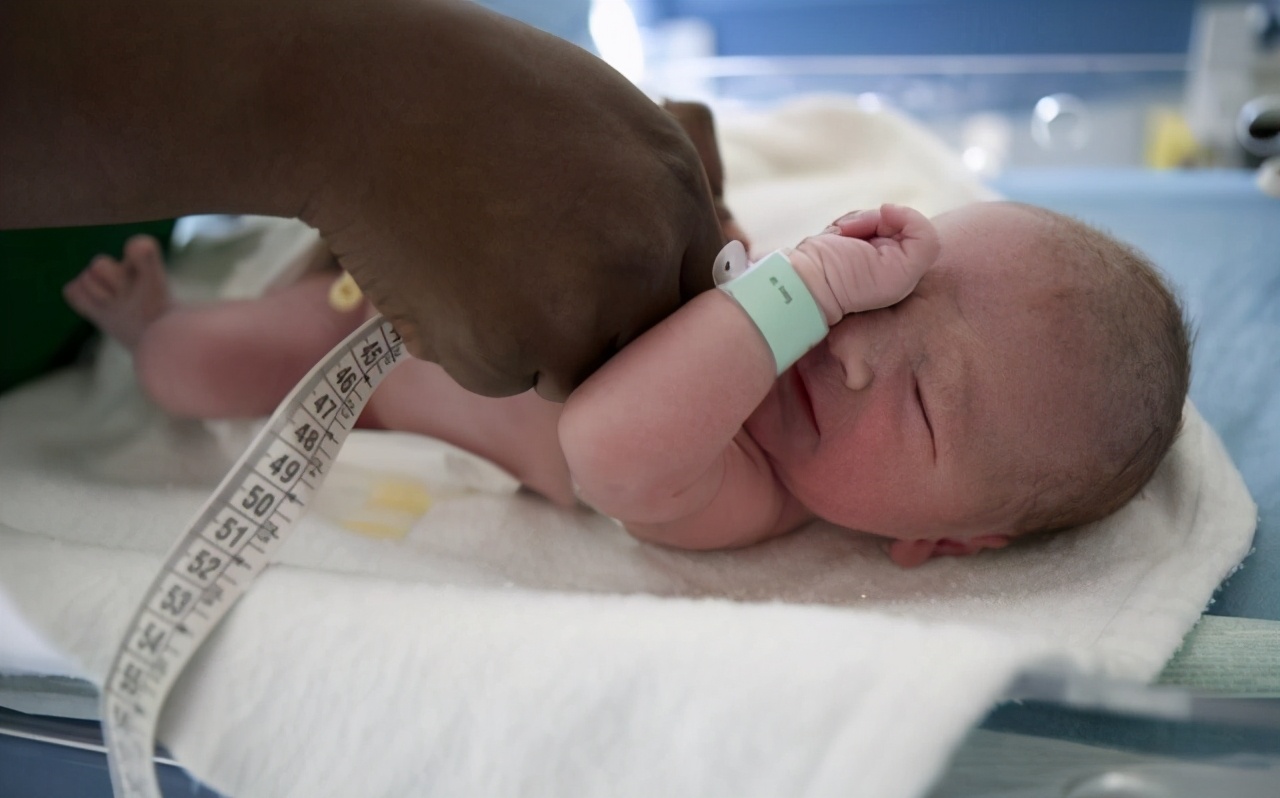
{"x":780,"y":306}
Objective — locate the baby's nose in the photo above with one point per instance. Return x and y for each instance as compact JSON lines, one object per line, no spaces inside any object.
{"x":857,"y":374}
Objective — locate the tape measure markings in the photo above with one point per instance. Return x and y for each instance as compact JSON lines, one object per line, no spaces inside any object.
{"x":231,"y":540}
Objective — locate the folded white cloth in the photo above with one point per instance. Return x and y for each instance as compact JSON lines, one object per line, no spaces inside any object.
{"x":505,"y":647}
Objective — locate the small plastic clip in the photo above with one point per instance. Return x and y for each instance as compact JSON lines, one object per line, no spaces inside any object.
{"x":730,"y":263}
{"x":344,"y":294}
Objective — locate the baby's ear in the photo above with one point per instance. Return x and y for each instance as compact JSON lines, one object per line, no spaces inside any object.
{"x":912,"y":553}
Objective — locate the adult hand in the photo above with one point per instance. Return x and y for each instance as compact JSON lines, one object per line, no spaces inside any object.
{"x":699,"y":125}
{"x":519,"y":215}
{"x":517,"y":208}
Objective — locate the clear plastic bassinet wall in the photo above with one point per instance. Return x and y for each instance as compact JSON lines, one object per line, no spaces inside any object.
{"x":1010,"y":84}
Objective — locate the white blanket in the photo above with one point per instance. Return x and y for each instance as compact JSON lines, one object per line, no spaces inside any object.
{"x":505,"y":647}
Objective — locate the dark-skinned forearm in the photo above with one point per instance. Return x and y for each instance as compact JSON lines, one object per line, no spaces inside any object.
{"x":517,"y":208}
{"x":137,"y":109}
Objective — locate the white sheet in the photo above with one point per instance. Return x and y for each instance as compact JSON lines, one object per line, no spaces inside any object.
{"x":507,"y":647}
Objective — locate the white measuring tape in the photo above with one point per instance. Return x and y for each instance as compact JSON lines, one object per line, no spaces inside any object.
{"x":231,"y":541}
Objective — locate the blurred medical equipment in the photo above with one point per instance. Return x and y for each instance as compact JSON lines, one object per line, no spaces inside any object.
{"x":1185,"y":84}
{"x":1234,"y":65}
{"x":1258,"y":126}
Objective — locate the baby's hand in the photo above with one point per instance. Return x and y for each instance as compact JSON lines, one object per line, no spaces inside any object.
{"x":866,"y":260}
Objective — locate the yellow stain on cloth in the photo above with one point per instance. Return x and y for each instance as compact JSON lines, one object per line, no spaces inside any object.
{"x":390,"y":509}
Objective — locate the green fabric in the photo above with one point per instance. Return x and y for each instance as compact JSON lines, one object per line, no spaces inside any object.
{"x":1228,"y":656}
{"x":38,"y":330}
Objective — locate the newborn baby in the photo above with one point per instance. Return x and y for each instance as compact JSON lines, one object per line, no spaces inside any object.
{"x":1032,"y":381}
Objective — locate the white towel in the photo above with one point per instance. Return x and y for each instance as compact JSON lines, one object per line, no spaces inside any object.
{"x":504,"y":646}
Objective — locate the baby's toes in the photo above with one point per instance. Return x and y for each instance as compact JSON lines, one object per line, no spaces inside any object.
{"x":142,"y":253}
{"x":77,"y":295}
{"x":109,"y":275}
{"x":90,"y":291}
{"x":102,"y":279}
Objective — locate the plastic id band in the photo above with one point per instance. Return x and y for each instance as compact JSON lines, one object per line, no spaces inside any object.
{"x":781,"y":307}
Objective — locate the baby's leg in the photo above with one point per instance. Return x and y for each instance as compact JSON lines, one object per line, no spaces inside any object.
{"x":221,"y":360}
{"x":238,"y":359}
{"x":519,"y":433}
{"x":123,"y":297}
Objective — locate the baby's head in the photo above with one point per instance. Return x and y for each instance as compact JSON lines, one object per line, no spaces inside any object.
{"x":1124,"y":335}
{"x":1032,"y":382}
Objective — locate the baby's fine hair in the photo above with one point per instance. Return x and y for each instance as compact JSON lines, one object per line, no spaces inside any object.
{"x":1144,"y":347}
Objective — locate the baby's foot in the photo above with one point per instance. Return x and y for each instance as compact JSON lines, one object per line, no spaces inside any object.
{"x":122,"y":297}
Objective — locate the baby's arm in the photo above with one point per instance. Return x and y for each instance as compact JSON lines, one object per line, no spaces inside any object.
{"x":654,"y":438}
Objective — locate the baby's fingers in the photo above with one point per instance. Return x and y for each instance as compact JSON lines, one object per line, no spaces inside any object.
{"x":888,"y":221}
{"x":913,"y":231}
{"x":874,"y":262}
{"x":857,"y":224}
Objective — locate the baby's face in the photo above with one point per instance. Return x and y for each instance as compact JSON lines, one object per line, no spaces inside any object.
{"x":902,"y":422}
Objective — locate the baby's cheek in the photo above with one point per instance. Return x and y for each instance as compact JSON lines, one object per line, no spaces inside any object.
{"x":866,"y":488}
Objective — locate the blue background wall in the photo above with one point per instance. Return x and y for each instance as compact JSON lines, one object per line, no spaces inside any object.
{"x":922,"y":27}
